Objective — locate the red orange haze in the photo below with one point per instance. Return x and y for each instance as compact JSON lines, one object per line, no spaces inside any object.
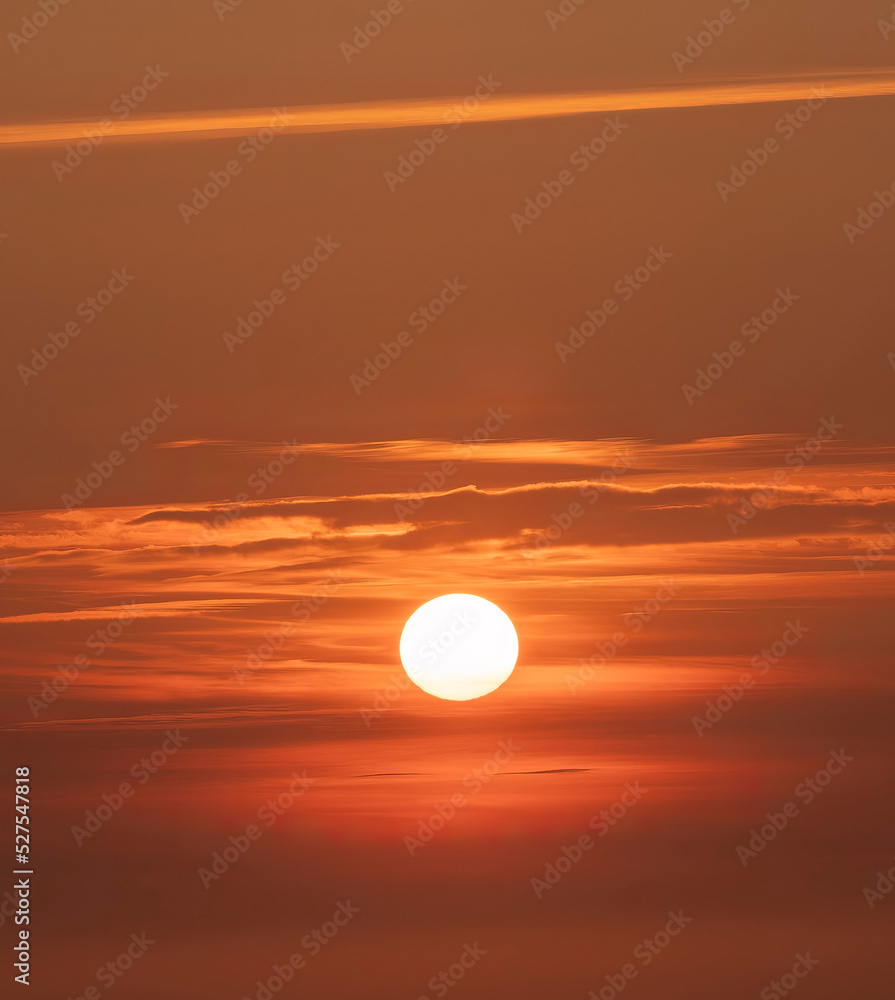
{"x":318,"y":312}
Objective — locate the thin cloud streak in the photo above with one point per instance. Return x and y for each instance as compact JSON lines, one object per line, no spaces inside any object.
{"x":414,"y":113}
{"x":161,"y":609}
{"x":760,"y":448}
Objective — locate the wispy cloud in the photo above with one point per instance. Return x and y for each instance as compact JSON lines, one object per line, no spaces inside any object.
{"x":431,"y":111}
{"x":159,"y":609}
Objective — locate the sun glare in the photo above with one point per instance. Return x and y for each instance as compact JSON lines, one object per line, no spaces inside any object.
{"x":459,"y":647}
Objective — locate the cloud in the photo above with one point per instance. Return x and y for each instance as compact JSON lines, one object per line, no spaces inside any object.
{"x":161,"y":609}
{"x":432,"y":111}
{"x":616,"y":514}
{"x":742,"y":450}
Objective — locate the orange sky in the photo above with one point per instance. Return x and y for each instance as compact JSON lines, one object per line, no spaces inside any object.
{"x":234,"y":469}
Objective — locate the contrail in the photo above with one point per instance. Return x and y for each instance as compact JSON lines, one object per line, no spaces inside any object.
{"x":432,"y":111}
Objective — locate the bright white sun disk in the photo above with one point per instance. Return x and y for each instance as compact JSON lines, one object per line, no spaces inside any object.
{"x":459,"y":647}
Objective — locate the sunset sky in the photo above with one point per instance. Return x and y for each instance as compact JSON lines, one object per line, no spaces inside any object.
{"x":550,"y":304}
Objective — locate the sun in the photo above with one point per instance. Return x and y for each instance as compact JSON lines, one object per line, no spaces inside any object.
{"x":459,"y":647}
